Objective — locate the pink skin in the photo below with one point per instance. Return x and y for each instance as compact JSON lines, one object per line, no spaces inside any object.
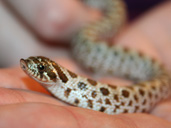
{"x":37,"y":110}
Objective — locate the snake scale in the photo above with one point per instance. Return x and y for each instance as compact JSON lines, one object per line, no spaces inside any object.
{"x":152,"y":81}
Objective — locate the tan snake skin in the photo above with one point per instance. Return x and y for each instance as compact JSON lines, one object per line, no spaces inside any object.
{"x":153,"y":83}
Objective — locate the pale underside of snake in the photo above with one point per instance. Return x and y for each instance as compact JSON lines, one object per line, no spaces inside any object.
{"x":153,"y":82}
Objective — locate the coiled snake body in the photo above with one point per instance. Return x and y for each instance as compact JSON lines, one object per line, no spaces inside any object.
{"x":153,"y":83}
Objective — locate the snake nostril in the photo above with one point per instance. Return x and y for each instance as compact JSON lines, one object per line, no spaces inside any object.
{"x":23,"y":64}
{"x":23,"y":67}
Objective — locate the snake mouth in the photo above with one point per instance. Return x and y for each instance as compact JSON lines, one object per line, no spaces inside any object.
{"x":23,"y":64}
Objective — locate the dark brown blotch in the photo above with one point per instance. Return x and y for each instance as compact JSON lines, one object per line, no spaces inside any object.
{"x":102,"y":109}
{"x":92,"y":82}
{"x":130,"y":87}
{"x":144,"y":110}
{"x":141,"y":92}
{"x":117,"y":106}
{"x":123,"y":103}
{"x":35,"y":60}
{"x":84,"y":96}
{"x":43,"y":58}
{"x":73,"y":75}
{"x":125,"y":93}
{"x":62,"y":76}
{"x":112,"y":86}
{"x":136,"y":108}
{"x":130,"y":103}
{"x":136,"y":98}
{"x":41,"y":74}
{"x":150,"y":95}
{"x":67,"y":92}
{"x":77,"y":101}
{"x":116,"y":97}
{"x":104,"y":91}
{"x":125,"y":111}
{"x":107,"y":101}
{"x":94,"y":94}
{"x":52,"y":75}
{"x":153,"y":87}
{"x":82,"y":86}
{"x":144,"y":102}
{"x":90,"y":103}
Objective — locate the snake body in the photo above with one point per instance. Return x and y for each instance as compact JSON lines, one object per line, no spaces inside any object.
{"x":153,"y":82}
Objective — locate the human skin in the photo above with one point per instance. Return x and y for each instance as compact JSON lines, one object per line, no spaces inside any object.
{"x":20,"y":108}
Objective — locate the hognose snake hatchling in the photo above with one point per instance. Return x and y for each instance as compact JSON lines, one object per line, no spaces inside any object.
{"x":153,"y":82}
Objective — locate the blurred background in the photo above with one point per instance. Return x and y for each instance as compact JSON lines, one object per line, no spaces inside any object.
{"x":22,"y":36}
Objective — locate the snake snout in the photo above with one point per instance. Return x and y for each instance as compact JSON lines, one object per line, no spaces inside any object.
{"x":23,"y":64}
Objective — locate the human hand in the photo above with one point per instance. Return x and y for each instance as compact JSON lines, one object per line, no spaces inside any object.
{"x":59,"y":114}
{"x":21,"y":108}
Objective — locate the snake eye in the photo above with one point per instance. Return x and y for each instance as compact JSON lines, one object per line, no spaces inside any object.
{"x":41,"y":67}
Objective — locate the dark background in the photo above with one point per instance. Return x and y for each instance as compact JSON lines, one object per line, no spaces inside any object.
{"x":137,"y":7}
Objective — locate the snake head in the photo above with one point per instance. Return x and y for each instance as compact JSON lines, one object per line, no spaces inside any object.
{"x":40,"y":68}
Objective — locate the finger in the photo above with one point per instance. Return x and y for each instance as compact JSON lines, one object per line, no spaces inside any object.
{"x":16,"y":78}
{"x":151,"y":34}
{"x":21,"y":44}
{"x":54,"y":18}
{"x":13,"y":96}
{"x":163,"y":110}
{"x":44,"y":115}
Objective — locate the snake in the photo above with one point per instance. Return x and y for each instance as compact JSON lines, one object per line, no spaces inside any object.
{"x":151,"y":80}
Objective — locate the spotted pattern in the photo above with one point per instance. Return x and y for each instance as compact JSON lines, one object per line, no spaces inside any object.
{"x":152,"y":81}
